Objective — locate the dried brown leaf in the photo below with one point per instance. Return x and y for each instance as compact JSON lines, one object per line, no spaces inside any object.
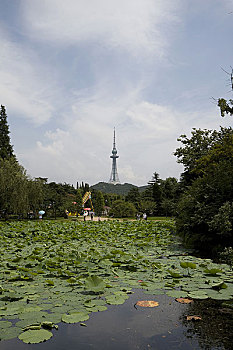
{"x":193,"y":318}
{"x":147,"y":303}
{"x":184,"y":300}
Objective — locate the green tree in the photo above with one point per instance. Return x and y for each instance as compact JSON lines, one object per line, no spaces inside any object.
{"x":170,"y":192}
{"x":13,"y":187}
{"x":99,"y":203}
{"x":6,"y":149}
{"x":196,"y":147}
{"x":205,"y":215}
{"x":148,"y":207}
{"x":134,"y":197}
{"x":78,"y":199}
{"x":225,"y":107}
{"x":35,"y":194}
{"x":122,"y":209}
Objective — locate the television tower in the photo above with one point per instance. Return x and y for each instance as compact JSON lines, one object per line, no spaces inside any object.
{"x":114,"y":179}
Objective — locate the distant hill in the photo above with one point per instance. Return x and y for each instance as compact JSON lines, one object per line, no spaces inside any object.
{"x":121,"y":189}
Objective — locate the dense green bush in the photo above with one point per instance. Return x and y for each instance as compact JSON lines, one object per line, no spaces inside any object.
{"x":205,"y":210}
{"x":121,"y":209}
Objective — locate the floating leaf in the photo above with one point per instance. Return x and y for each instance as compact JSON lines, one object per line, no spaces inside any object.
{"x":193,"y":318}
{"x":176,"y":293}
{"x":175,"y":274}
{"x":147,"y":303}
{"x":212,"y":272}
{"x":219,"y":285}
{"x":95,"y":283}
{"x":184,"y":300}
{"x":199,"y":294}
{"x":75,"y":317}
{"x":116,"y":299}
{"x":35,"y":336}
{"x":10,"y":333}
{"x":187,"y":264}
{"x":5,"y":324}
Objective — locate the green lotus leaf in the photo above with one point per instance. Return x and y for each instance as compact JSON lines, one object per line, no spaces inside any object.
{"x":35,"y":336}
{"x":35,"y":326}
{"x":220,"y":285}
{"x":53,"y":317}
{"x":95,"y":283}
{"x":33,"y":316}
{"x":198,"y":295}
{"x":212,"y":272}
{"x":191,"y":265}
{"x":176,"y":293}
{"x":5,"y":324}
{"x":10,"y":333}
{"x":49,"y":325}
{"x":184,"y":264}
{"x":50,"y":283}
{"x":115,"y":299}
{"x":175,"y":274}
{"x":75,"y":317}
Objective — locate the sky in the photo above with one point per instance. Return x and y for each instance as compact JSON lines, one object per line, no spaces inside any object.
{"x":71,"y":71}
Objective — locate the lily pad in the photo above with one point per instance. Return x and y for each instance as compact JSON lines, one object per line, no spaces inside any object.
{"x":5,"y":324}
{"x":35,"y":336}
{"x":10,"y":333}
{"x":75,"y":317}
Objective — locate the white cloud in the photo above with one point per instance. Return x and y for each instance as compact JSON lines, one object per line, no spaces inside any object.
{"x":145,"y":136}
{"x":24,"y":88}
{"x":135,"y":25}
{"x":56,"y":147}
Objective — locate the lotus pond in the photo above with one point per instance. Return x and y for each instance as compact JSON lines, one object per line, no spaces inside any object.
{"x":67,"y":272}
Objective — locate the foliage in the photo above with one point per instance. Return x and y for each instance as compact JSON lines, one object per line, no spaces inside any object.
{"x":78,"y":200}
{"x":122,"y":209}
{"x":225,"y":107}
{"x":134,"y":197}
{"x":13,"y":187}
{"x":35,"y":194}
{"x":119,"y":189}
{"x":205,"y":215}
{"x":163,"y":194}
{"x":148,"y":207}
{"x":195,"y":148}
{"x":53,"y":272}
{"x":6,"y":149}
{"x":59,"y":197}
{"x":98,"y":202}
{"x":35,"y":336}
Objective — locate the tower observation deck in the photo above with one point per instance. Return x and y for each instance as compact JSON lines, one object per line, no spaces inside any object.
{"x":114,"y":179}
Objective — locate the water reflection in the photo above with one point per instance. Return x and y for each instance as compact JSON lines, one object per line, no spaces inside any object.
{"x":127,"y":328}
{"x":215,"y":331}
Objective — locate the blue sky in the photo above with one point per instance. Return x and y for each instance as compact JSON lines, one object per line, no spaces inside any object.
{"x":71,"y":71}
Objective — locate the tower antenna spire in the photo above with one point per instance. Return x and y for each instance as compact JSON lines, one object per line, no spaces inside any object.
{"x":114,"y":138}
{"x":114,"y":179}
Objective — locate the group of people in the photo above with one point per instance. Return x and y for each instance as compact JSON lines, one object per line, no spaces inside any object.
{"x":85,"y":214}
{"x":144,"y":216}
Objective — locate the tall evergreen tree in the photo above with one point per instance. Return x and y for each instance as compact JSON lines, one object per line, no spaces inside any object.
{"x":6,"y":149}
{"x":99,"y":203}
